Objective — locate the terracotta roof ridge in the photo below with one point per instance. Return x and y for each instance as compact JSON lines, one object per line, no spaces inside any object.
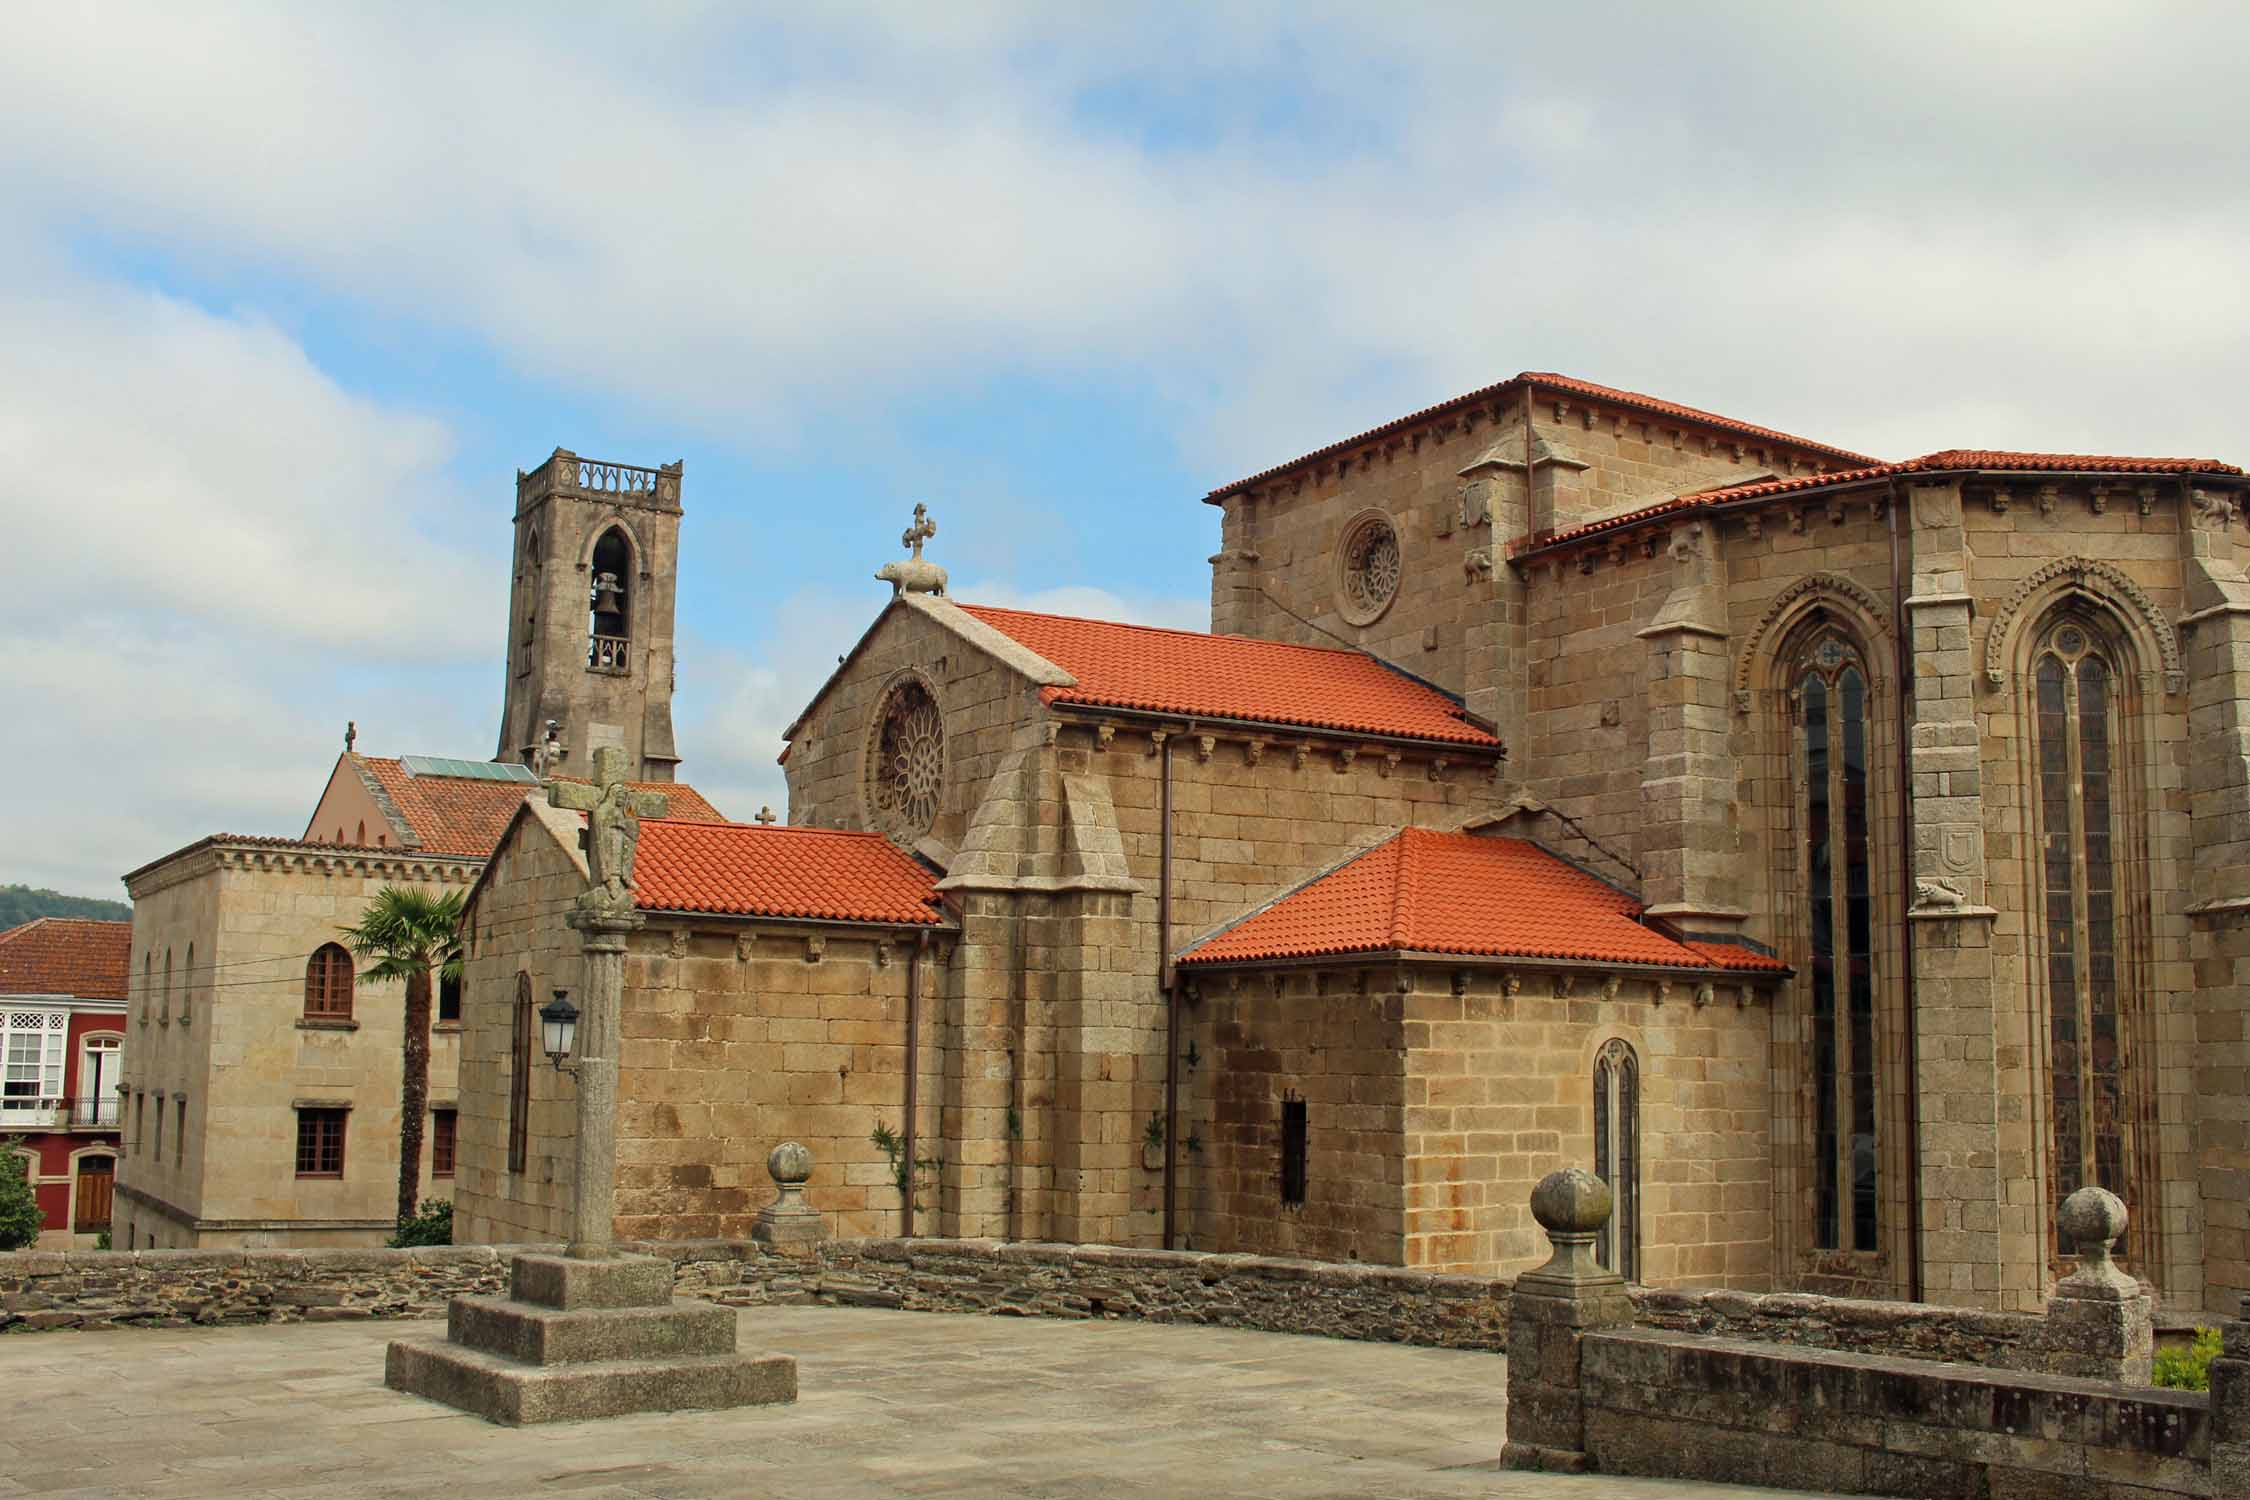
{"x":1554,"y":381}
{"x":1174,"y":630}
{"x":1405,"y":885}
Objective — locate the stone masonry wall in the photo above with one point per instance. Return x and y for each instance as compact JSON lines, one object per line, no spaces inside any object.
{"x":1683,"y":1406}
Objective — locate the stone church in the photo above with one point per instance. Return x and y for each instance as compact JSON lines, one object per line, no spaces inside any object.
{"x":1845,"y":858}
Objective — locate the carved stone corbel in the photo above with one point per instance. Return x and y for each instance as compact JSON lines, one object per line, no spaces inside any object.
{"x":816,"y":948}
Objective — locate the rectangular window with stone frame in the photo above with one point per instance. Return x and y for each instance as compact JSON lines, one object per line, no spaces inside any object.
{"x":444,"y":1124}
{"x":320,"y":1142}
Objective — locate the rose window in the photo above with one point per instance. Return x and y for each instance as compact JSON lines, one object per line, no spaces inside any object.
{"x":906,"y":763}
{"x":1368,"y":566}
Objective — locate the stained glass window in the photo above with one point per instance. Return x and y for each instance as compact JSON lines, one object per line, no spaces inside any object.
{"x":2073,"y":700}
{"x":1833,"y":764}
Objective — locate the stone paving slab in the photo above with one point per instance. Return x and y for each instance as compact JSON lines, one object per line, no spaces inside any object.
{"x":892,"y":1403}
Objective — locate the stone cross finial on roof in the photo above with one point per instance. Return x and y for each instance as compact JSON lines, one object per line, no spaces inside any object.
{"x":613,"y":812}
{"x":914,"y":574}
{"x":351,"y":734}
{"x":767,"y":815}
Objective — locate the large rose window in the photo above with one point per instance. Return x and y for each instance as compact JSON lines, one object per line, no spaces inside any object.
{"x":1367,"y":568}
{"x":906,"y":762}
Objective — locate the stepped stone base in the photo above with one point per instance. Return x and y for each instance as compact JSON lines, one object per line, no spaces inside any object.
{"x":505,"y":1391}
{"x":586,"y":1338}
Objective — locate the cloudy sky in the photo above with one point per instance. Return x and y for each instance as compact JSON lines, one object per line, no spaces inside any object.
{"x":288,"y":294}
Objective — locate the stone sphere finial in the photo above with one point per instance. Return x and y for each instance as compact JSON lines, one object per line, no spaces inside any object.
{"x":790,"y":1163}
{"x":1571,"y":1202}
{"x":2091,"y":1220}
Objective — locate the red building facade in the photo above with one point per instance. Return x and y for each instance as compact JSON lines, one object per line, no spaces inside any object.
{"x":63,"y":988}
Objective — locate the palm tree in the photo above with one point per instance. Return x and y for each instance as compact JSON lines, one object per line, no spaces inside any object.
{"x":408,"y":933}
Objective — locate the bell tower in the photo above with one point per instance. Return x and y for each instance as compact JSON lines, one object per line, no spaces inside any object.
{"x":590,"y":617}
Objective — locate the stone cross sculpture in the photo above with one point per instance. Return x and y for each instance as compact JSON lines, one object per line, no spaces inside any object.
{"x":613,"y":812}
{"x":915,"y":574}
{"x":605,"y":916}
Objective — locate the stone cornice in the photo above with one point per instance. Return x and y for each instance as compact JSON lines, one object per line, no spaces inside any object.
{"x":294,"y":856}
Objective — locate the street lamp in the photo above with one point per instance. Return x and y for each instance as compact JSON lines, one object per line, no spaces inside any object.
{"x":558,"y":1022}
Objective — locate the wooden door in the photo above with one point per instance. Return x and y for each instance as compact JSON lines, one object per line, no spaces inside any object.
{"x":97,"y":1176}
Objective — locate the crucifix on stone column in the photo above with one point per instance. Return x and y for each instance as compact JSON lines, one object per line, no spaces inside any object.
{"x":605,"y":914}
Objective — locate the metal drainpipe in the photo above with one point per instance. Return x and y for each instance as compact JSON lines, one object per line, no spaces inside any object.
{"x":1171,"y":1002}
{"x":913,"y":1073}
{"x":1903,"y":644}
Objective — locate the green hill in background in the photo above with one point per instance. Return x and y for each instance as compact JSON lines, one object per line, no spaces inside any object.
{"x":20,"y":903}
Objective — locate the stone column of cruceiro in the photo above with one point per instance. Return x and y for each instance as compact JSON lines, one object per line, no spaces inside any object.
{"x":1549,"y":1315}
{"x":605,"y":915}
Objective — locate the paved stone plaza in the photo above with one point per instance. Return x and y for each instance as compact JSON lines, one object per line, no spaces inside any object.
{"x":893,"y":1404}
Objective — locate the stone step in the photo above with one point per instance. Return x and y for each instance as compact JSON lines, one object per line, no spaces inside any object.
{"x":501,"y":1390}
{"x":558,"y":1281}
{"x":536,"y":1335}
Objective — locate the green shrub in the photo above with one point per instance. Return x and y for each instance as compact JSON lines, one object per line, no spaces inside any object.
{"x":101,"y":1241}
{"x":432,"y":1225}
{"x":2189,"y":1369}
{"x":20,"y":1218}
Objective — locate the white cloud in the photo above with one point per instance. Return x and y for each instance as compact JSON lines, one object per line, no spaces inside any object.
{"x":220,"y":557}
{"x":1832,"y":220}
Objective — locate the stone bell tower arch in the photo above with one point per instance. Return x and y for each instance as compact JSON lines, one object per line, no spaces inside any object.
{"x":590,"y":617}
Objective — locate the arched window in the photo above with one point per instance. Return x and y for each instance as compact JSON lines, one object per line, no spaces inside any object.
{"x":1837,"y":873}
{"x":2080,"y":733}
{"x":1617,"y":1155}
{"x":608,"y":597}
{"x":519,"y":1078}
{"x":148,"y":984}
{"x":328,"y":984}
{"x":164,"y":1013}
{"x":187,"y":986}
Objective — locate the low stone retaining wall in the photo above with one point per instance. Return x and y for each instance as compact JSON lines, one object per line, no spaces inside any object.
{"x":1906,"y":1330}
{"x":41,"y":1291}
{"x":1377,"y":1304}
{"x":184,"y":1288}
{"x":1693,"y":1407}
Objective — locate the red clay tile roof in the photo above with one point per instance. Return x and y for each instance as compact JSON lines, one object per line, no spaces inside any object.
{"x":1546,"y":380}
{"x":1949,"y":460}
{"x":455,"y":815}
{"x":753,"y":870}
{"x":67,"y":956}
{"x":1429,"y":892}
{"x":1234,"y":677}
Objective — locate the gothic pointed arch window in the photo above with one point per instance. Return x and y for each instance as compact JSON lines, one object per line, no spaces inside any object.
{"x":1831,"y":701}
{"x":609,"y":600}
{"x":1617,"y":1155}
{"x":2089,"y":900}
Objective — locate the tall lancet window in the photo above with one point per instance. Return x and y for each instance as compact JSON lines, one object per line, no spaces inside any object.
{"x":1617,"y":1156}
{"x":608,"y":643}
{"x":2075,"y":701}
{"x":1832,"y":739}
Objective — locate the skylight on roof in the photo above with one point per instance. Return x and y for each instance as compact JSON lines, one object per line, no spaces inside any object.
{"x":468,"y":770}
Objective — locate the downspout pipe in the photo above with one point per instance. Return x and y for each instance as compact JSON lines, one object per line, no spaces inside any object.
{"x":1903,"y":644}
{"x":1167,"y":988}
{"x":913,"y":1075}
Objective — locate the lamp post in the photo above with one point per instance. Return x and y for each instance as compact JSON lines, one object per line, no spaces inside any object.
{"x":558,"y":1025}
